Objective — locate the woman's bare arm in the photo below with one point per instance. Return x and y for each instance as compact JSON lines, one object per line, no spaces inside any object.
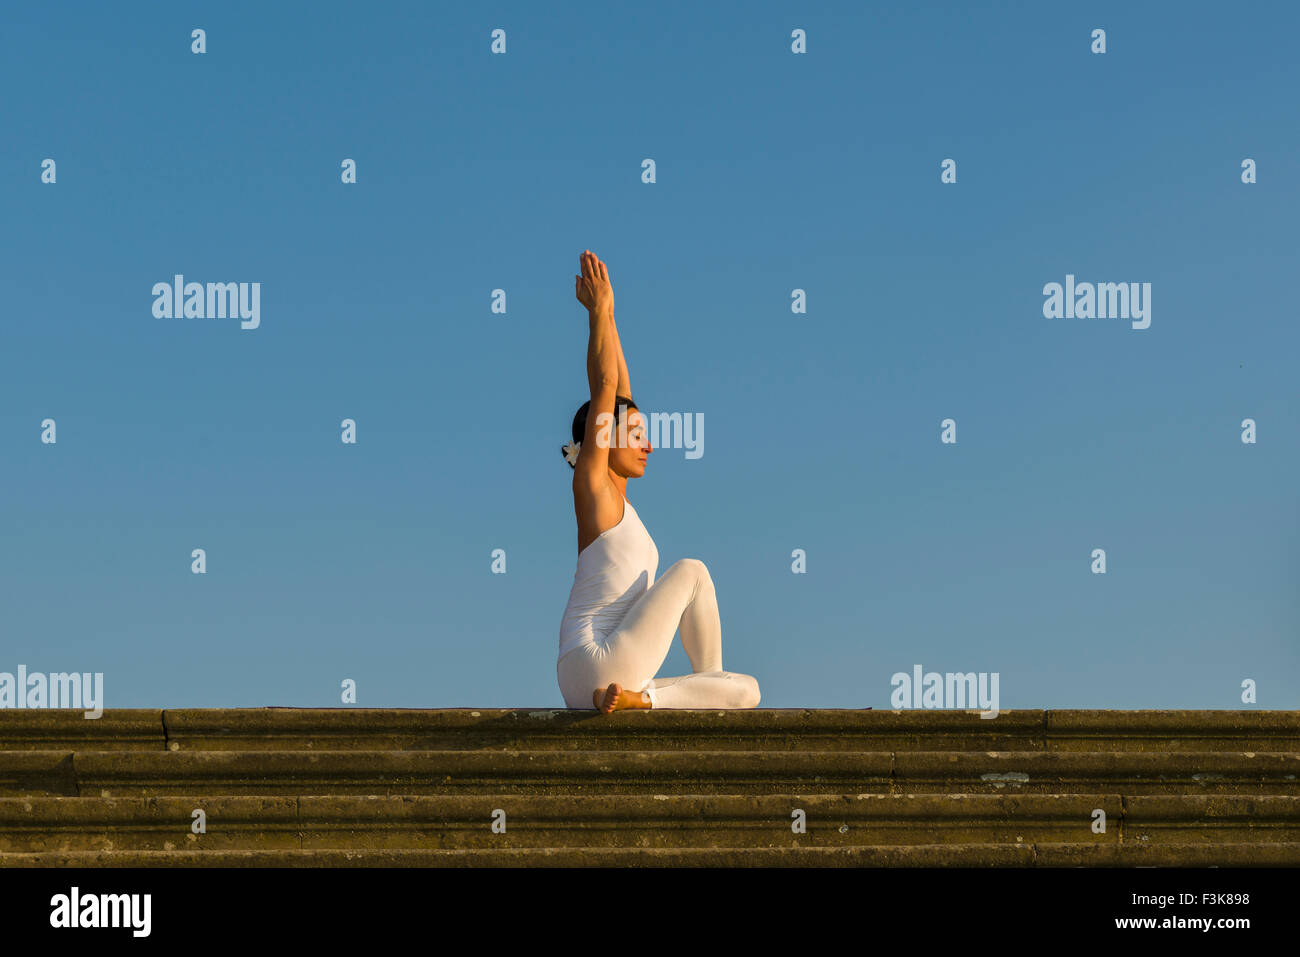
{"x":591,"y":266}
{"x":594,"y":289}
{"x":624,"y":385}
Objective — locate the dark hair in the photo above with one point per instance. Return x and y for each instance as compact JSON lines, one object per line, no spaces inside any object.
{"x":580,"y":419}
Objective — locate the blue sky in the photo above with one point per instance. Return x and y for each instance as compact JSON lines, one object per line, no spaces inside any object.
{"x":775,"y":172}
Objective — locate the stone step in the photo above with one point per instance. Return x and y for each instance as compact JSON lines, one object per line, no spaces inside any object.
{"x":736,"y":821}
{"x":768,"y":729}
{"x":338,"y":787}
{"x":902,"y":855}
{"x":277,"y":772}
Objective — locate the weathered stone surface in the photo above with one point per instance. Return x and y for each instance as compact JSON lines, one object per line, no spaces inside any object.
{"x":62,"y":729}
{"x":306,"y":729}
{"x":978,"y":855}
{"x":1162,"y":731}
{"x":931,"y":855}
{"x":108,"y":774}
{"x":608,"y":820}
{"x":37,"y":772}
{"x":550,"y":729}
{"x":356,"y":787}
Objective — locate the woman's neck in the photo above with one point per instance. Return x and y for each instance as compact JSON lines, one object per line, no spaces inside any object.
{"x":620,"y":483}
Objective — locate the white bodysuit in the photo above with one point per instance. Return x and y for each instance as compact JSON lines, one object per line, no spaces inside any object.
{"x":613,"y":572}
{"x":619,"y":624}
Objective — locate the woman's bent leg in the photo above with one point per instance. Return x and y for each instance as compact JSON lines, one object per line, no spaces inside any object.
{"x":634,"y":651}
{"x":682,"y":597}
{"x":701,"y":625}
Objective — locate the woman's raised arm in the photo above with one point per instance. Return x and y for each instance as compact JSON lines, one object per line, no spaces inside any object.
{"x":603,"y":367}
{"x":624,"y":385}
{"x":592,"y":267}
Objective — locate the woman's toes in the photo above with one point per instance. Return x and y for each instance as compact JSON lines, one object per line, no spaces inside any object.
{"x":607,"y":701}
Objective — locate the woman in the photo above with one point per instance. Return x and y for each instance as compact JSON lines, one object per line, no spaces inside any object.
{"x":619,"y":622}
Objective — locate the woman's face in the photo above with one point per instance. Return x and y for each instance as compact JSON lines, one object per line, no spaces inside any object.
{"x":630,"y":460}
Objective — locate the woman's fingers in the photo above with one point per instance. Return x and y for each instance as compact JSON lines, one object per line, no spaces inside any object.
{"x":592,"y":268}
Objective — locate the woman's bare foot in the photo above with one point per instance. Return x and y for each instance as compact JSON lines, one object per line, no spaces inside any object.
{"x":614,"y":698}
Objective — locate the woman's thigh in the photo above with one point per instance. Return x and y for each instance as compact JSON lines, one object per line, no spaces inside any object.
{"x":583,"y":670}
{"x":645,"y":635}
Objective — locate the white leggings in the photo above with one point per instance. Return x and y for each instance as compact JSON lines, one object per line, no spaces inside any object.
{"x":632,"y":653}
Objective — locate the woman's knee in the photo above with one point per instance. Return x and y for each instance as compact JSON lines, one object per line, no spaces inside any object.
{"x":694,"y":568}
{"x":746,"y":691}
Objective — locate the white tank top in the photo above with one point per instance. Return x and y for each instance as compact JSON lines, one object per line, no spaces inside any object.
{"x":613,"y":572}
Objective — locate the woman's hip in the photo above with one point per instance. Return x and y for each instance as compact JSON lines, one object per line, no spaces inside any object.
{"x":583,"y":669}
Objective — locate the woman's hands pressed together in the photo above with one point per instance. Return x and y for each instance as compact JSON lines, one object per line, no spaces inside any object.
{"x":592,"y":286}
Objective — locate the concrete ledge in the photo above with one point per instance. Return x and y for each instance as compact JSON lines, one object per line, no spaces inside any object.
{"x":108,"y":774}
{"x":374,"y":822}
{"x":362,"y":787}
{"x":764,"y":728}
{"x":37,"y":772}
{"x":971,"y":855}
{"x":1167,"y":730}
{"x":59,"y":729}
{"x":535,"y":730}
{"x":414,"y":823}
